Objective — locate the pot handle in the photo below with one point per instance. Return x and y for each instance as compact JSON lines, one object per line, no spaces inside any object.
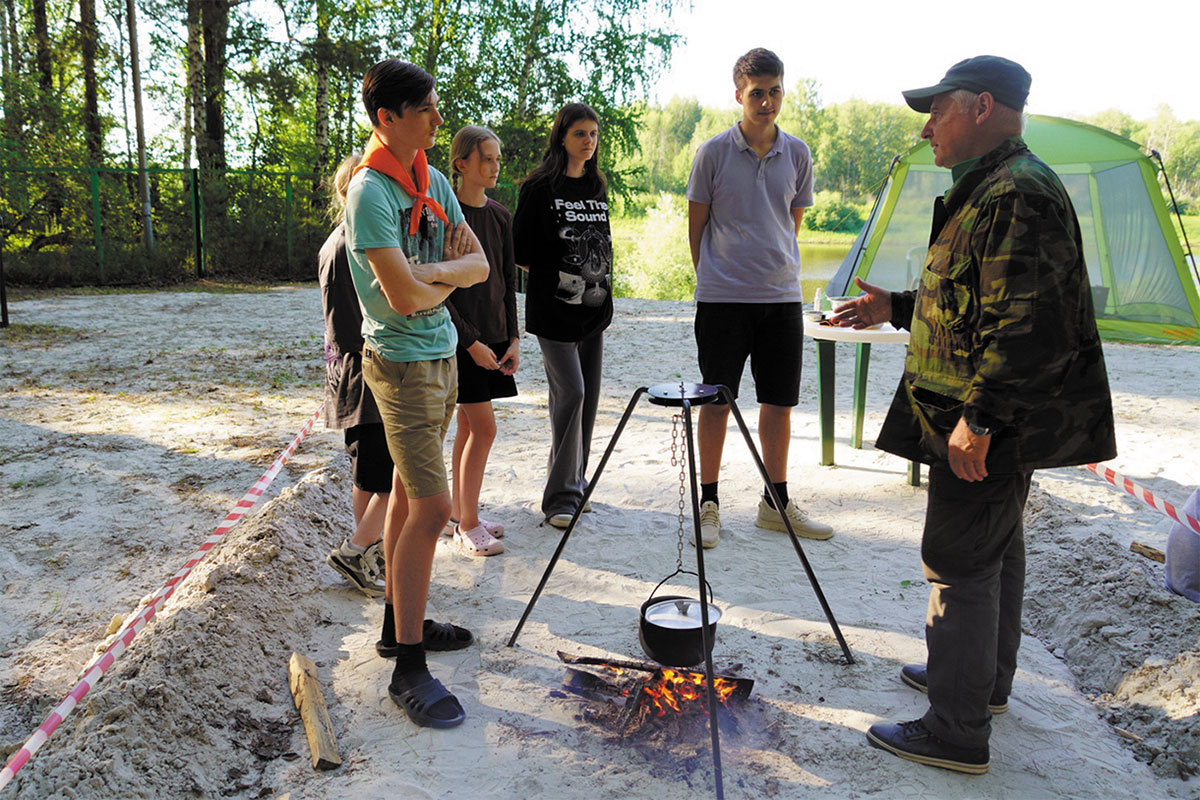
{"x":681,"y":570}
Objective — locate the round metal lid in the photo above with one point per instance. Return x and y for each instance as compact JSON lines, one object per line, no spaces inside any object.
{"x":679,"y":613}
{"x":673,"y":394}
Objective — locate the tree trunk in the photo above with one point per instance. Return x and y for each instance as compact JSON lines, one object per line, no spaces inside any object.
{"x":348,"y":133}
{"x":93,"y":136}
{"x":210,"y":144}
{"x":143,"y":177}
{"x":8,"y":69}
{"x":214,"y":23}
{"x":5,"y":70}
{"x":194,"y":93}
{"x":323,"y":51}
{"x":14,"y":41}
{"x":41,"y":43}
{"x":531,"y":55}
{"x":439,"y":17}
{"x":119,"y":18}
{"x":186,"y":157}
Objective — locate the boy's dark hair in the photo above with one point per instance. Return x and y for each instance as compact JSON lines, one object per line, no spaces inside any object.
{"x":757,"y":63}
{"x":554,"y":161}
{"x":395,"y":86}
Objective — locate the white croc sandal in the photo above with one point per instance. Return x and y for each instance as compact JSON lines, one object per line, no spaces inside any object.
{"x":477,"y":541}
{"x":494,"y":528}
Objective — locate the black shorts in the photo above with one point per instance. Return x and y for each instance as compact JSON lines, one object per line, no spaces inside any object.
{"x":771,"y":334}
{"x":479,"y":385}
{"x":370,"y":462}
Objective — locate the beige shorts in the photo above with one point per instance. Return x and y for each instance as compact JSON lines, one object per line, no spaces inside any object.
{"x":416,"y":402}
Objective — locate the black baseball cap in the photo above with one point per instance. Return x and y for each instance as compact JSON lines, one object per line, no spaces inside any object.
{"x":1006,"y":80}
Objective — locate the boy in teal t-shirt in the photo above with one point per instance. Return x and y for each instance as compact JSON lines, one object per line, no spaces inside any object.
{"x":409,"y":249}
{"x":381,"y":215}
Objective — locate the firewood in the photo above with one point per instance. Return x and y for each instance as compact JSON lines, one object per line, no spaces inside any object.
{"x":306,"y":689}
{"x":589,"y":686}
{"x":1149,"y":552}
{"x":642,"y":666}
{"x":633,"y":706}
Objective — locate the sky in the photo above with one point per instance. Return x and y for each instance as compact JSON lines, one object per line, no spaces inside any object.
{"x":1084,"y":57}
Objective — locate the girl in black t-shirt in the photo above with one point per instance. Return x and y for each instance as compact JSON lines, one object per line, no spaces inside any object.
{"x":562,"y":238}
{"x":485,"y":316}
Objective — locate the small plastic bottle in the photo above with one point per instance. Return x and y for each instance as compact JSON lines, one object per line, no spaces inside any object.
{"x":819,"y":300}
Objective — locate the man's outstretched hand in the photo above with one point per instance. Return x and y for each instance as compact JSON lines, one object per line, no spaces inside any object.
{"x":871,"y":308}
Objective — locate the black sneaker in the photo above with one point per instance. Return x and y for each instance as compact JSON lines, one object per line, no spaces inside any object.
{"x":912,"y":741}
{"x":914,"y":676}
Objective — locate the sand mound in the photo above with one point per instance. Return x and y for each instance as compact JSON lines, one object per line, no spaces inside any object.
{"x":199,"y":704}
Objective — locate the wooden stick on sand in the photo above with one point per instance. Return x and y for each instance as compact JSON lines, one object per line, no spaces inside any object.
{"x":306,"y":689}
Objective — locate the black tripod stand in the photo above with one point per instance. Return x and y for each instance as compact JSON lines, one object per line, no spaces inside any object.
{"x":686,"y":395}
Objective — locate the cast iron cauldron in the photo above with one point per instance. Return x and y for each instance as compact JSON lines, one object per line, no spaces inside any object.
{"x":670,"y":629}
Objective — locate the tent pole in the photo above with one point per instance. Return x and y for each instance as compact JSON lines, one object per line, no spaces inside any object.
{"x":870,"y":221}
{"x":1162,"y":168}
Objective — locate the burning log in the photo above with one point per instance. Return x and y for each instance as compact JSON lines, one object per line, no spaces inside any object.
{"x":666,"y":698}
{"x":633,"y":709}
{"x":591,"y":687}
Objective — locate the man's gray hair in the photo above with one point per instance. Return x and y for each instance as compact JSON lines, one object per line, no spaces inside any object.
{"x":963,"y":98}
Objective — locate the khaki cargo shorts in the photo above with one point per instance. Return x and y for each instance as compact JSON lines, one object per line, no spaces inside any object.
{"x":416,"y":402}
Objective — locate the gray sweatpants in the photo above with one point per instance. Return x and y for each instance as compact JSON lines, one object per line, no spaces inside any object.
{"x":973,"y":554}
{"x":573,"y":373}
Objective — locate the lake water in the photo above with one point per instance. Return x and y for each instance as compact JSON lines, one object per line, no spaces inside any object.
{"x":818,"y":263}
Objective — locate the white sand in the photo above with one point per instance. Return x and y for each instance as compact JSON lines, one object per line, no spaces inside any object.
{"x":127,"y":434}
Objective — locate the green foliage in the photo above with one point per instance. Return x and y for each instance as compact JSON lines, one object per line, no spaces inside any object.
{"x":509,"y":64}
{"x":271,"y":228}
{"x":1191,"y":227}
{"x":1176,"y":141}
{"x":1116,"y":121}
{"x":856,"y":142}
{"x":831,"y":213}
{"x":852,"y":143}
{"x":661,"y":135}
{"x":712,"y":121}
{"x":651,"y":257}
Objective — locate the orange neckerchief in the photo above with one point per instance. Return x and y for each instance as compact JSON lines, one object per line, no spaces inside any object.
{"x":380,"y":159}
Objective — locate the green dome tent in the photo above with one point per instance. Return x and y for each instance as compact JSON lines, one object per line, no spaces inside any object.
{"x":1141,"y":284}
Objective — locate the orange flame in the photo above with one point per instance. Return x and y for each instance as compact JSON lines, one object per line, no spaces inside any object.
{"x":676,"y":690}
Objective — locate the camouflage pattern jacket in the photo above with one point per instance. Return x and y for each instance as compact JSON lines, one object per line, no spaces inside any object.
{"x":1003,"y":329}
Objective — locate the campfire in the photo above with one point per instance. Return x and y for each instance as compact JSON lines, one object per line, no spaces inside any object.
{"x":673,"y":690}
{"x":639,"y":698}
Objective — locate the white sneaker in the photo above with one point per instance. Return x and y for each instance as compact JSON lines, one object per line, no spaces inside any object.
{"x":803,"y":526}
{"x":374,"y":555}
{"x":560,"y":521}
{"x":710,"y":525}
{"x":358,"y":568}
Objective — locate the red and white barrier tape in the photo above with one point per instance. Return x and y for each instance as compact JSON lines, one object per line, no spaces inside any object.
{"x":1146,"y":496}
{"x":101,"y":664}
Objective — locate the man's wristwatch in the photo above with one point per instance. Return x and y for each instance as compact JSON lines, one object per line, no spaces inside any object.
{"x":978,"y":430}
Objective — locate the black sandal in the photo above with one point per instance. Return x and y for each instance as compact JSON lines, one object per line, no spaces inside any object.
{"x":420,"y":700}
{"x":436,"y":637}
{"x":442,"y":636}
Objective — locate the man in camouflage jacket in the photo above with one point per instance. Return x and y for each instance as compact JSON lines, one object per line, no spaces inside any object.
{"x":1004,"y":375}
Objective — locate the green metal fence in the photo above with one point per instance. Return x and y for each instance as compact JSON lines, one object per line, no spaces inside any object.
{"x":79,"y":225}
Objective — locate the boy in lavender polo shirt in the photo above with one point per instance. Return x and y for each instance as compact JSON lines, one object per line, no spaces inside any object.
{"x":746,"y":196}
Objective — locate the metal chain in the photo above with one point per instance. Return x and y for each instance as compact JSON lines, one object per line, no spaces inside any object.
{"x":679,"y":459}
